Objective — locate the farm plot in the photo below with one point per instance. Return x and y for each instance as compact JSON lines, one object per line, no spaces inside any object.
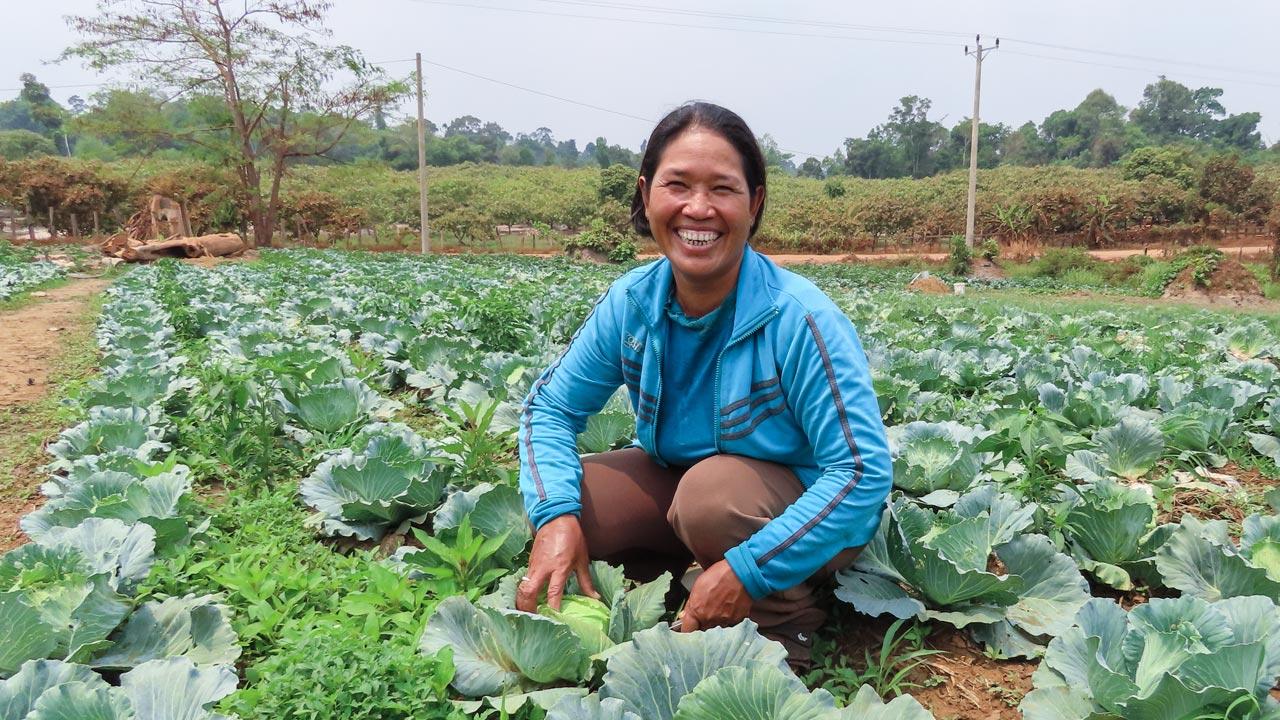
{"x":1066,"y":488}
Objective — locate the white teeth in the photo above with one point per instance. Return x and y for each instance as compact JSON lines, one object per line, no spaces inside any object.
{"x":698,"y":237}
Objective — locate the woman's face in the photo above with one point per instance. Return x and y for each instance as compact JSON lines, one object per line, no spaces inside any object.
{"x":700,"y":208}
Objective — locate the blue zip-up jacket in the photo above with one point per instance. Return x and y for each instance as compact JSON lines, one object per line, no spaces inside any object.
{"x":792,"y":387}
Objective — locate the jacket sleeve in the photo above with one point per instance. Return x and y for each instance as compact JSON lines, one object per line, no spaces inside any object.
{"x":827,"y":384}
{"x":573,"y":388}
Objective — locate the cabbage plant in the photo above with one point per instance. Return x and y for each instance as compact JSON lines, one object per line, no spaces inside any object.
{"x":121,"y":496}
{"x":969,"y":566}
{"x":1168,"y":659}
{"x":1097,"y":402}
{"x":498,"y":650}
{"x":333,"y":406}
{"x":377,"y":490}
{"x":194,"y":627}
{"x":714,"y":674}
{"x":1129,"y":449}
{"x":1200,"y":559}
{"x":938,"y":460}
{"x":54,"y":603}
{"x":134,"y":431}
{"x":1110,"y":531}
{"x":170,"y":689}
{"x":1268,"y":444}
{"x":492,"y":510}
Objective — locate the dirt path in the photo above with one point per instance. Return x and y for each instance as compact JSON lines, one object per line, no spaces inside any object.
{"x":800,"y":259}
{"x":31,"y":339}
{"x":42,"y":346}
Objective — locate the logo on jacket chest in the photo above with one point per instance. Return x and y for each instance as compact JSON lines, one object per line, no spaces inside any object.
{"x":634,"y":343}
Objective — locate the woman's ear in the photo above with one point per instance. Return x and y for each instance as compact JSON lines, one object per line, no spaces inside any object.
{"x":757,"y":201}
{"x":643,"y":187}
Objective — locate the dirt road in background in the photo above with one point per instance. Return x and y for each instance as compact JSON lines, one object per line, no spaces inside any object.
{"x":799,"y":259}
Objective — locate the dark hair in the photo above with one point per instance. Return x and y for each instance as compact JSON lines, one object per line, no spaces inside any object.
{"x":723,"y":122}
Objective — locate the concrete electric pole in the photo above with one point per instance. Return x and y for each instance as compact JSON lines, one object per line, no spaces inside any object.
{"x":423,"y":232}
{"x":978,"y":54}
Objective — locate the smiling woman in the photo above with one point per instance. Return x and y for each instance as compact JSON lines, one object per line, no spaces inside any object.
{"x":760,"y":450}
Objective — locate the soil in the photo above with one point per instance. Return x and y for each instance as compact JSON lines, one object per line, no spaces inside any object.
{"x":962,"y":683}
{"x":987,"y":270}
{"x":1209,"y":504}
{"x":929,"y":285}
{"x":31,"y":340}
{"x":1230,"y":283}
{"x":31,"y":344}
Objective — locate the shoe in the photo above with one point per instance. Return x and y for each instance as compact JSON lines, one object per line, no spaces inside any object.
{"x":799,"y":648}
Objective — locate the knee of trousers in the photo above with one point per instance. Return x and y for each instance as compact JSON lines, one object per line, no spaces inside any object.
{"x":703,"y":512}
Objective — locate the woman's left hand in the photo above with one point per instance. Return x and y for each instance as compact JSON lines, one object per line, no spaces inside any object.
{"x":718,"y":598}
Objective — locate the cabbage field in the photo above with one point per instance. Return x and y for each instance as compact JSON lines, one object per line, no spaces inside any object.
{"x":290,"y":493}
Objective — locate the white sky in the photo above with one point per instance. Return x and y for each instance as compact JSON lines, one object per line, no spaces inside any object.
{"x":809,"y":85}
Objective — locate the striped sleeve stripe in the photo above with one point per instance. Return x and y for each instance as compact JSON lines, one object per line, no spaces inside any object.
{"x":755,"y":387}
{"x":526,"y":414}
{"x":848,"y":437}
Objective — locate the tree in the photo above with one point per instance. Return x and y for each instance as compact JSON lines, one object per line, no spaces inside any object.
{"x":1174,"y":163}
{"x":1226,"y":181}
{"x":915,"y":136}
{"x":45,"y":111}
{"x":288,"y":96}
{"x":811,"y":168}
{"x":774,"y":156}
{"x":21,"y":144}
{"x":1171,"y":111}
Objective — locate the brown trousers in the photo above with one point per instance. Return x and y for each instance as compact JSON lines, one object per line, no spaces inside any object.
{"x":652,"y":519}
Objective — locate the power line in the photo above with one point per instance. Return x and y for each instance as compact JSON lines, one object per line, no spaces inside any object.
{"x":661,"y":23}
{"x":758,"y":18}
{"x":648,"y":120}
{"x":1138,"y":69}
{"x":1146,"y":58}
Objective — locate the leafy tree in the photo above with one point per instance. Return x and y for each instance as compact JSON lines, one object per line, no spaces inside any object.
{"x":1170,"y":111}
{"x":916,"y":137}
{"x":46,"y":112}
{"x":1226,"y":181}
{"x":283,"y":88}
{"x":811,"y":168}
{"x":1094,"y":134}
{"x":21,"y":144}
{"x":1025,"y":146}
{"x":618,"y":182}
{"x":1175,"y":163}
{"x":774,"y":156}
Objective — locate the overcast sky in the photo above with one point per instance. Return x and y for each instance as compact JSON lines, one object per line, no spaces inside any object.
{"x":810,"y":73}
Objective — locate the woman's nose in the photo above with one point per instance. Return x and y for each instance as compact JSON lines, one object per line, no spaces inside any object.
{"x":699,"y":206}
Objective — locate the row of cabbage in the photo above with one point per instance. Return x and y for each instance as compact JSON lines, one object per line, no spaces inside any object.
{"x":1028,"y":448}
{"x":328,"y":338}
{"x":1030,"y":453}
{"x":78,"y":641}
{"x":20,"y":271}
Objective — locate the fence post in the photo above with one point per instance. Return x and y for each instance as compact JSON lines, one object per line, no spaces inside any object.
{"x":52,"y":234}
{"x":13,"y":226}
{"x":75,"y":227}
{"x":186,"y":218}
{"x":97,"y":225}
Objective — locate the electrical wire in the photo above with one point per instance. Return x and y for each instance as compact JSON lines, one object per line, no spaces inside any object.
{"x":661,"y":23}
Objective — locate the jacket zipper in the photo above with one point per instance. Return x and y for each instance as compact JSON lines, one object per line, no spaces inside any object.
{"x":715,"y":417}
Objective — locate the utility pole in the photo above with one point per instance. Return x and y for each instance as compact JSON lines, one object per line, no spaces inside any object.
{"x":978,"y":54}
{"x":423,"y":232}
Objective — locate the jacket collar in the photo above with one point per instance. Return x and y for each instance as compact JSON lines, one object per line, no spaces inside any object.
{"x":753,"y":294}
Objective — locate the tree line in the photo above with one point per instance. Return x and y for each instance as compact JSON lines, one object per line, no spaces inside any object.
{"x":1099,"y":132}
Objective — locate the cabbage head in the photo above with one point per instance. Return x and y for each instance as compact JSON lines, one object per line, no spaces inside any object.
{"x":1110,"y":531}
{"x":1200,"y":559}
{"x":1168,"y":659}
{"x":928,"y":457}
{"x":969,"y":566}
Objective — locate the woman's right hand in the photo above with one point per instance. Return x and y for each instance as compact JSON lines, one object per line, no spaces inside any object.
{"x":559,"y":550}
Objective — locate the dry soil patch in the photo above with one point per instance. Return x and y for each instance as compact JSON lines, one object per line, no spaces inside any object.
{"x":31,"y":339}
{"x":33,"y":343}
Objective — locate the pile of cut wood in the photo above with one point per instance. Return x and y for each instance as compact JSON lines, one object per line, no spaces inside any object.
{"x":162,"y":230}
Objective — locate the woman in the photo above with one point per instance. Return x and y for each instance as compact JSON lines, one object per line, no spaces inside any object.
{"x":761,"y":451}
